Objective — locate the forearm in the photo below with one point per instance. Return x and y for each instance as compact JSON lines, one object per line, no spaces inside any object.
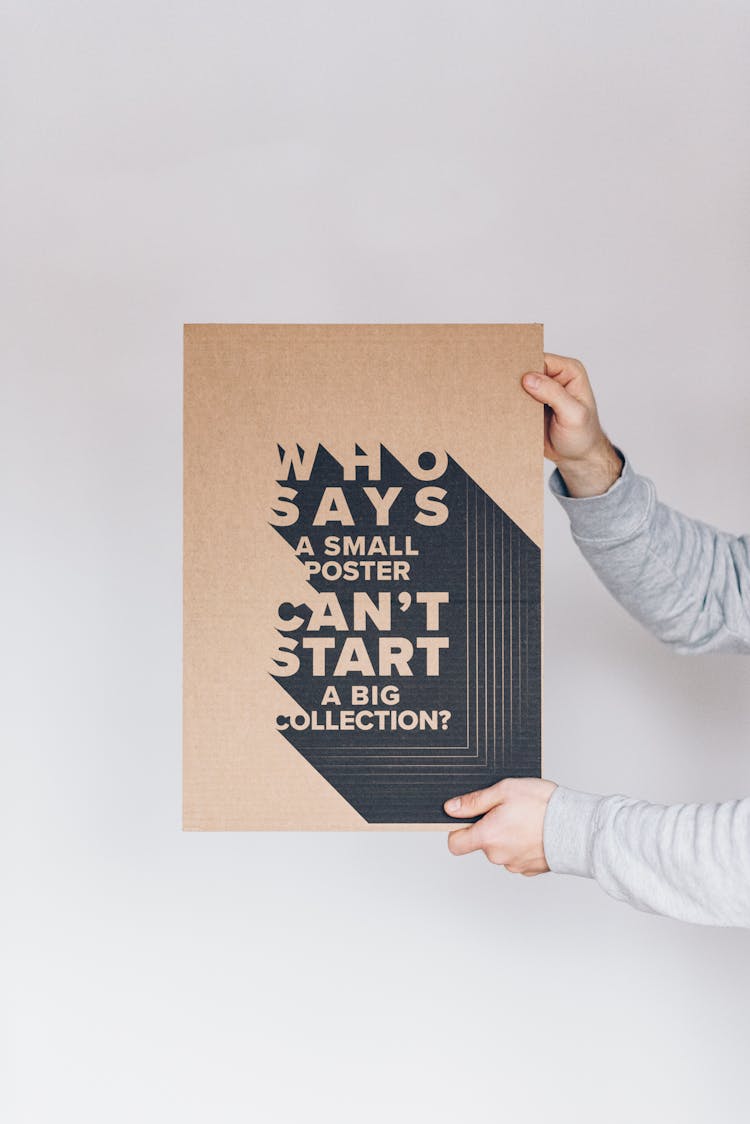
{"x":594,"y":473}
{"x":687,"y":861}
{"x":684,"y":580}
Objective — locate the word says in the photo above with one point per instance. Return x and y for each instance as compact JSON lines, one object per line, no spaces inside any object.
{"x":333,"y":507}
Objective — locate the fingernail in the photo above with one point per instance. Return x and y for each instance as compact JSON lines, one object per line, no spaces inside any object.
{"x":453,"y":805}
{"x":531,"y":381}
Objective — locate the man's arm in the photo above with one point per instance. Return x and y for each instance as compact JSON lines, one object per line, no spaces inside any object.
{"x":688,"y":861}
{"x":683,"y":579}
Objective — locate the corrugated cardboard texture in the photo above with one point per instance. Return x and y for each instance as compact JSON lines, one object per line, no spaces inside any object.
{"x":249,"y":388}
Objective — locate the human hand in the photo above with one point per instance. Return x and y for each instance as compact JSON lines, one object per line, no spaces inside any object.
{"x":573,"y":436}
{"x":511,"y":829}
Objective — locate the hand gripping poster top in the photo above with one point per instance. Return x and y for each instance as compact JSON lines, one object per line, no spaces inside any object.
{"x":362,"y":571}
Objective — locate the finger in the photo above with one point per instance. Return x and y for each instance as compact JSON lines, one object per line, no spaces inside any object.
{"x":465,"y":840}
{"x":476,"y":803}
{"x":567,"y":409}
{"x":571,"y":374}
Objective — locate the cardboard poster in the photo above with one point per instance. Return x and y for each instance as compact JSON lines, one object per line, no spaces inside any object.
{"x":362,"y":571}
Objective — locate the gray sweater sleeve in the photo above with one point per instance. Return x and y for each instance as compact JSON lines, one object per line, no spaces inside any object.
{"x":690,"y":585}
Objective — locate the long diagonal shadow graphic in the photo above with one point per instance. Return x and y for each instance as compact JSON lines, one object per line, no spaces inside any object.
{"x":417,"y":669}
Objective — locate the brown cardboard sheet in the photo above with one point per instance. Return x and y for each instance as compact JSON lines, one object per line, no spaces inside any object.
{"x":410,"y":452}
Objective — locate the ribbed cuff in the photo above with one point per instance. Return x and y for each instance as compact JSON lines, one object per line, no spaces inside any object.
{"x":614,"y":516}
{"x":569,"y":822}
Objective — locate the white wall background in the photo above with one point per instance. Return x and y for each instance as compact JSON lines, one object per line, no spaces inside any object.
{"x":585,"y":164}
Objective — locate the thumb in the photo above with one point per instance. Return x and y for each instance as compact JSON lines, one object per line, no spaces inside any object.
{"x":567,"y":409}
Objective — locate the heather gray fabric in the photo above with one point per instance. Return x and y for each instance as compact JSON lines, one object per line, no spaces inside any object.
{"x":690,"y":585}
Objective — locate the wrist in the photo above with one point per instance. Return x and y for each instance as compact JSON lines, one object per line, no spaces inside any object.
{"x":593,"y":474}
